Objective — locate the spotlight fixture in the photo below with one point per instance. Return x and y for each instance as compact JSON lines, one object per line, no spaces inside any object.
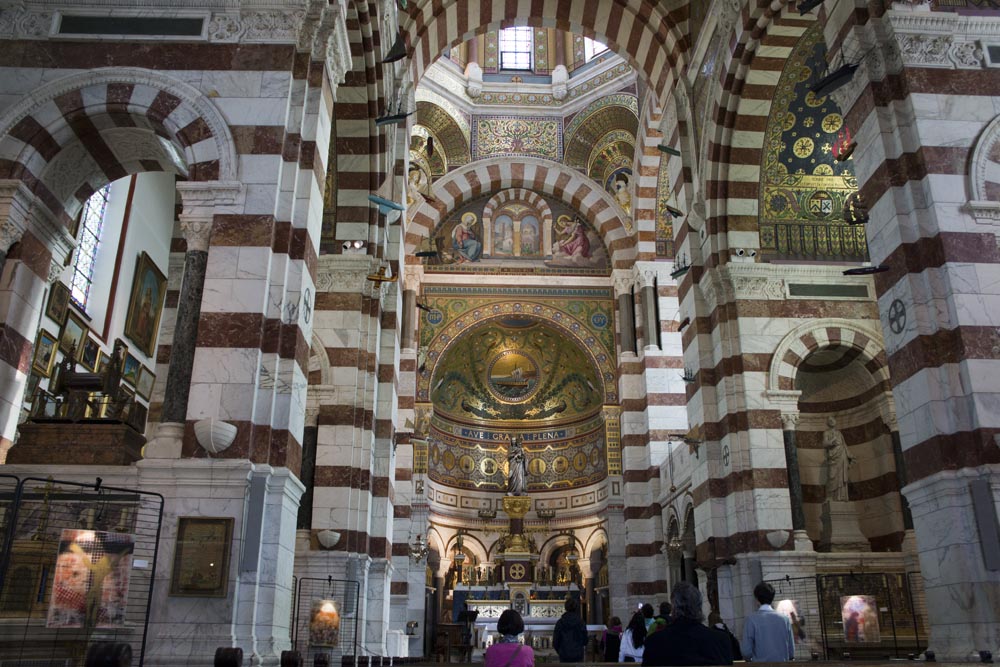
{"x":392,"y":119}
{"x":425,"y":253}
{"x":807,"y":5}
{"x":385,"y":205}
{"x":833,"y":80}
{"x":686,"y":321}
{"x":398,"y":50}
{"x":424,"y":307}
{"x":866,"y":270}
{"x":675,"y":212}
{"x":669,"y":150}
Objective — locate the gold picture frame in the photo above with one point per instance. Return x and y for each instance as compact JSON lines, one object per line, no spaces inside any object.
{"x":201,"y":557}
{"x":144,"y":384}
{"x":145,"y":307}
{"x":74,"y":332}
{"x":46,"y":346}
{"x":58,"y":304}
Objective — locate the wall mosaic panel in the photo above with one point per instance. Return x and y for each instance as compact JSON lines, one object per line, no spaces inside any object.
{"x":476,"y":458}
{"x":803,"y":188}
{"x":532,"y":136}
{"x":522,"y":239}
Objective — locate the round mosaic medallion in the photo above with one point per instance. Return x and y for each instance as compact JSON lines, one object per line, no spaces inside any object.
{"x":580,"y":462}
{"x":560,"y":465}
{"x":488,"y":467}
{"x":449,"y":460}
{"x":537,"y":466}
{"x":512,"y":376}
{"x":466,"y":464}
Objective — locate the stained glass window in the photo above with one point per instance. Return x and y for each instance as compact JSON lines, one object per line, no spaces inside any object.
{"x":592,"y":48}
{"x":515,"y":48}
{"x":89,"y":238}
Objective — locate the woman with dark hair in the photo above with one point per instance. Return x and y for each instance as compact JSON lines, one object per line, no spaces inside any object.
{"x":633,"y":639}
{"x":508,"y":651}
{"x":612,"y":640}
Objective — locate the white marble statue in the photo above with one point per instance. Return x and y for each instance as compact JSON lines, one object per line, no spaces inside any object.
{"x":838,"y":462}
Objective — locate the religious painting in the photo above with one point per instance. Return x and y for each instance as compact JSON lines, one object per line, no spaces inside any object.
{"x":102,"y":361}
{"x":574,"y":243}
{"x":503,"y":236}
{"x":201,"y":557}
{"x":144,"y":384}
{"x":618,"y":186}
{"x":58,"y":302}
{"x":90,"y":583}
{"x":531,"y":236}
{"x":131,"y":369}
{"x":45,"y":353}
{"x":74,"y":332}
{"x":860,"y":615}
{"x":465,"y":238}
{"x":149,"y":289}
{"x":324,"y":623}
{"x":137,"y":415}
{"x":88,"y":356}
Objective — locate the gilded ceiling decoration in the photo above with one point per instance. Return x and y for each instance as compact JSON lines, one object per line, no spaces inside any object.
{"x":512,"y":369}
{"x":450,"y":136}
{"x":613,"y":151}
{"x":532,"y":136}
{"x":803,"y":188}
{"x":664,"y":220}
{"x":583,"y":316}
{"x":619,"y":111}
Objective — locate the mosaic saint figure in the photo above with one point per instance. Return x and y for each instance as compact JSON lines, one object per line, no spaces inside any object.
{"x":517,"y":467}
{"x":464,"y":241}
{"x":622,"y":194}
{"x":838,"y":462}
{"x":577,"y":245}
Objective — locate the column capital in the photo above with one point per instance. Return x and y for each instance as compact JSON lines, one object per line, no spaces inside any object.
{"x":644,"y":276}
{"x":623,"y":280}
{"x":413,"y":275}
{"x":196,"y":232}
{"x":15,"y":202}
{"x":789,"y":420}
{"x":203,"y":199}
{"x":48,"y":229}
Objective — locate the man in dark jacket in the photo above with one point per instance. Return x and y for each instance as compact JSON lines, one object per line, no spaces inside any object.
{"x":569,"y":638}
{"x":686,"y":641}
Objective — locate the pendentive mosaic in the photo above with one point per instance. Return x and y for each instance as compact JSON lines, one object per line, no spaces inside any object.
{"x":803,"y":187}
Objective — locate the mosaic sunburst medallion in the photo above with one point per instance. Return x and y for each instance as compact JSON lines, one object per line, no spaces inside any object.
{"x":512,"y":376}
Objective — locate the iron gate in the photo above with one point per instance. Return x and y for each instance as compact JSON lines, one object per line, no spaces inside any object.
{"x":326,"y":619}
{"x":76,"y":570}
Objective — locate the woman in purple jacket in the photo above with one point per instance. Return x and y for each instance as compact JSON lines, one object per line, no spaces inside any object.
{"x":508,"y":651}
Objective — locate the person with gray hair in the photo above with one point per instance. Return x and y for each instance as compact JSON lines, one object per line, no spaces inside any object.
{"x":686,"y":641}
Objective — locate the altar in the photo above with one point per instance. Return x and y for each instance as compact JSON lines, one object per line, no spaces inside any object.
{"x":538,"y":624}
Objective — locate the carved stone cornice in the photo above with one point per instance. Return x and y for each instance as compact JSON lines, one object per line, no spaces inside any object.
{"x":15,"y":202}
{"x":348,"y":274}
{"x":50,"y":231}
{"x":226,"y":21}
{"x":203,"y":199}
{"x":413,"y":276}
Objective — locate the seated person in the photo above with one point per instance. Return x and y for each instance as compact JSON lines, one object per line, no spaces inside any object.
{"x":508,"y":651}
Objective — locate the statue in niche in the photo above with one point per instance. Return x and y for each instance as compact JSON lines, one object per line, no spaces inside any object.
{"x":838,"y":462}
{"x":517,"y":467}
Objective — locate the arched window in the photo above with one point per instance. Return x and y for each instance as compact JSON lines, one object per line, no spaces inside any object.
{"x":89,"y":237}
{"x":515,"y":48}
{"x":592,"y":48}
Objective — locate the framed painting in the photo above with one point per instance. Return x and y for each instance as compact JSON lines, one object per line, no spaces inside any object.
{"x":201,"y":557}
{"x":89,"y":355}
{"x":149,"y":289}
{"x":131,"y":369}
{"x":102,"y":361}
{"x":58,"y":302}
{"x":74,"y":332}
{"x":45,"y":353}
{"x":144,"y":385}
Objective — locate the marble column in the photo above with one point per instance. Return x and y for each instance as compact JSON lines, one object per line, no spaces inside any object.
{"x":897,"y":454}
{"x":196,"y":233}
{"x":650,"y":323}
{"x":789,"y":422}
{"x":623,"y":282}
{"x":409,"y":319}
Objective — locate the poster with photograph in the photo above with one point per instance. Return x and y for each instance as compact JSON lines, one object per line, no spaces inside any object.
{"x":90,"y":586}
{"x":860,"y":614}
{"x":793,"y":612}
{"x":324,"y":623}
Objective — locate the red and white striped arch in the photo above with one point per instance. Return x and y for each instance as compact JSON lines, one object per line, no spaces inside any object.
{"x":543,"y":176}
{"x":532,"y":199}
{"x":648,"y":35}
{"x":73,"y":135}
{"x":815,"y":335}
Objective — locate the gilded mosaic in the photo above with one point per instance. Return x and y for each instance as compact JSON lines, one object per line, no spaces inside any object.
{"x":583,"y":315}
{"x":499,"y":136}
{"x":803,"y":187}
{"x":515,"y":368}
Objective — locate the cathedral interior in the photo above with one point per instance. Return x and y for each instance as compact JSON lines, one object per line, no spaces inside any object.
{"x":326,"y":322}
